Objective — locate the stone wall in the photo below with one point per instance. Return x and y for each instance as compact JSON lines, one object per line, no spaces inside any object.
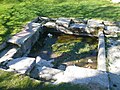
{"x":19,"y":46}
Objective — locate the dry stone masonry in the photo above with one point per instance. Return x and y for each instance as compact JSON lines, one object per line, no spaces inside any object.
{"x":14,"y":53}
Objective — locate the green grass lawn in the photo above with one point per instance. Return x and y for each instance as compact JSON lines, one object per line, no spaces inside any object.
{"x":12,"y":81}
{"x":16,"y":13}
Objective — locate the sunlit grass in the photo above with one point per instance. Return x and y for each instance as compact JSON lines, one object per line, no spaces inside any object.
{"x":14,"y":14}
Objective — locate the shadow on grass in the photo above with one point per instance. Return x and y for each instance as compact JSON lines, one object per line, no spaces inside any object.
{"x":12,"y":81}
{"x":15,"y":17}
{"x":105,"y":12}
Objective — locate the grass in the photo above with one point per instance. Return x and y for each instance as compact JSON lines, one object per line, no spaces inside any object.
{"x":12,"y":81}
{"x":16,"y":13}
{"x":72,"y":49}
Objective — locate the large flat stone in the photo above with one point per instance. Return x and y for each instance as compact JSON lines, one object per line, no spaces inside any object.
{"x":22,"y":65}
{"x":78,"y":20}
{"x":114,"y":81}
{"x":20,"y":38}
{"x":108,"y":23}
{"x":26,"y":38}
{"x":8,"y":54}
{"x":111,"y":30}
{"x":64,"y":30}
{"x":48,"y":73}
{"x":63,"y":22}
{"x":113,"y":55}
{"x":81,"y":27}
{"x":50,"y":25}
{"x":85,"y":76}
{"x":101,"y":59}
{"x":45,"y":73}
{"x":95,"y":23}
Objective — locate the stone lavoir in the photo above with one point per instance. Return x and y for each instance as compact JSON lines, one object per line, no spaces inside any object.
{"x":65,"y":50}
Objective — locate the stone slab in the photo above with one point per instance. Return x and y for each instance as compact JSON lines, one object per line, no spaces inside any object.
{"x":101,"y":59}
{"x":20,"y":38}
{"x":113,"y":55}
{"x":111,"y":30}
{"x":63,"y":30}
{"x":22,"y":65}
{"x":50,"y":25}
{"x":8,"y":54}
{"x":45,"y":73}
{"x":48,"y":73}
{"x":95,"y":23}
{"x":63,"y":22}
{"x":26,"y":38}
{"x":108,"y":23}
{"x":78,"y":27}
{"x":78,"y":20}
{"x":114,"y":81}
{"x":78,"y":75}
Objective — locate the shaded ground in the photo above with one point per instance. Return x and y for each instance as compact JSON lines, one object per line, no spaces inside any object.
{"x":68,"y":49}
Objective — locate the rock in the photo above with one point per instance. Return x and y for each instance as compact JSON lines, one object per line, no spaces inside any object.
{"x":8,"y":54}
{"x":81,"y":27}
{"x":94,"y":26}
{"x":49,"y":35}
{"x":114,"y":81}
{"x":34,"y":25}
{"x":108,"y":23}
{"x":48,"y":73}
{"x":95,"y":23}
{"x":20,"y":38}
{"x":78,"y":75}
{"x":26,"y":38}
{"x":35,"y":72}
{"x":111,"y":30}
{"x":63,"y":22}
{"x":101,"y":59}
{"x":51,"y":61}
{"x":50,"y":25}
{"x":44,"y":18}
{"x":113,"y":55}
{"x":62,"y":67}
{"x":90,"y":61}
{"x":92,"y":31}
{"x":118,"y":24}
{"x":78,"y":20}
{"x":64,"y":30}
{"x":22,"y":65}
{"x":41,"y":62}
